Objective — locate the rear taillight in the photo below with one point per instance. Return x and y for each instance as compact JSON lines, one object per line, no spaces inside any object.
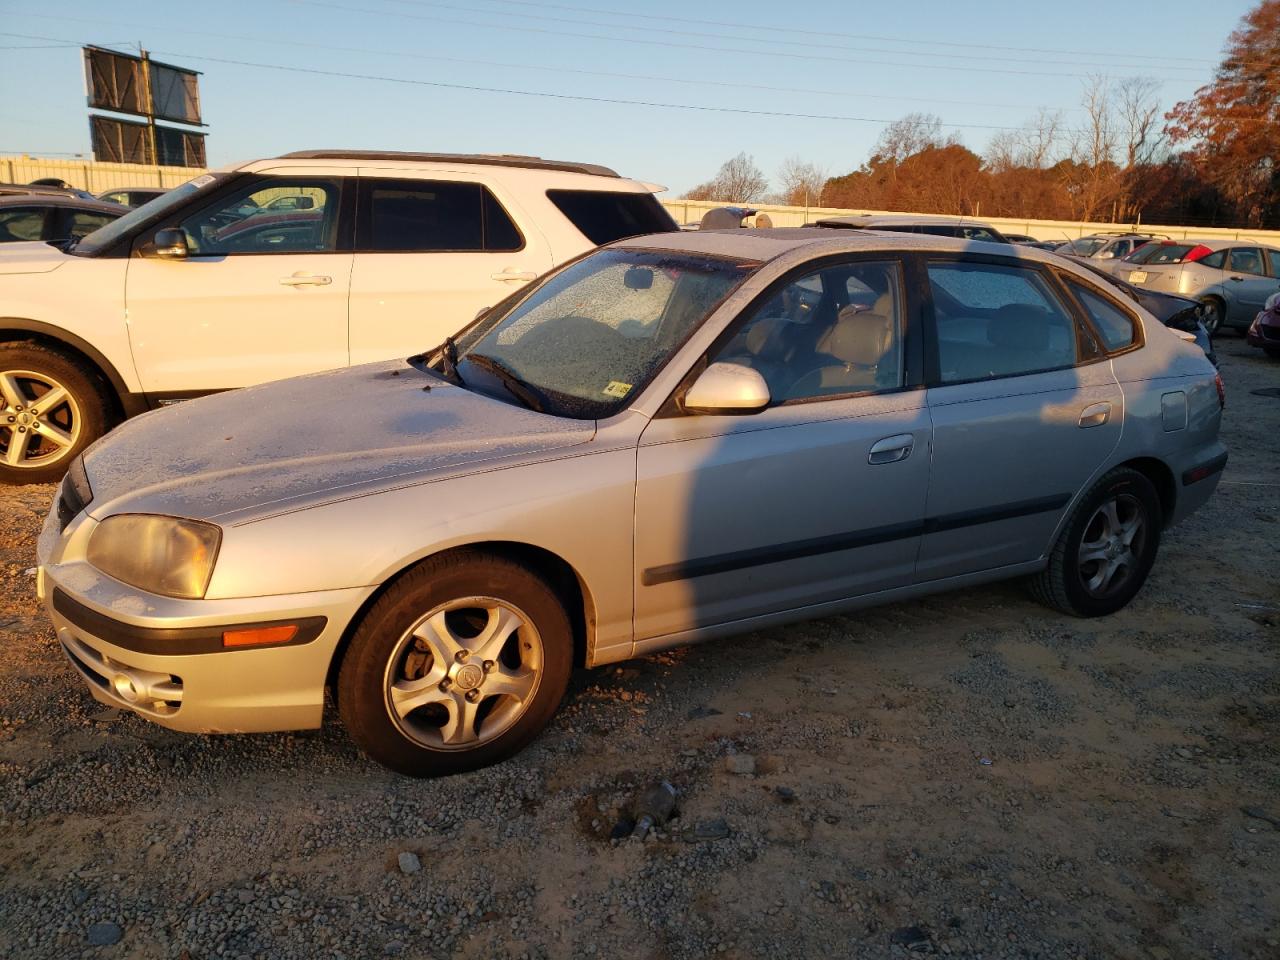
{"x":1196,"y":253}
{"x":1222,"y":391}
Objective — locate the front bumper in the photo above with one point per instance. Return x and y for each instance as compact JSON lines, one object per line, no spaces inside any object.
{"x":162,"y":658}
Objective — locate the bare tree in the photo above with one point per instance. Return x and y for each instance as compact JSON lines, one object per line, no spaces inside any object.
{"x":801,"y":182}
{"x":739,"y":180}
{"x":1092,"y":173}
{"x":1138,"y":119}
{"x":1040,"y":139}
{"x":909,"y":135}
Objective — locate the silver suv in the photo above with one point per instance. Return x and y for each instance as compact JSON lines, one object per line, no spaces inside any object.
{"x":673,"y":438}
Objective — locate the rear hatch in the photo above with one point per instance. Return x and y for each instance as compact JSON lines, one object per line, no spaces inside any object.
{"x":1158,"y":265}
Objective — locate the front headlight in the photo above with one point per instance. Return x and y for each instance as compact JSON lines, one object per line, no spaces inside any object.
{"x":164,"y":555}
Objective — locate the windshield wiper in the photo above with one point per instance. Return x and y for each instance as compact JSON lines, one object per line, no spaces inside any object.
{"x":524,"y":392}
{"x":449,"y":361}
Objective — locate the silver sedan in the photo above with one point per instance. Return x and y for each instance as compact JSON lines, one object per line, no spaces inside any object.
{"x":670,"y":439}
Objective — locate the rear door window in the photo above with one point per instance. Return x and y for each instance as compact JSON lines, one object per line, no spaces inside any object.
{"x":1274,"y":257}
{"x":603,"y":216}
{"x":22,"y":223}
{"x":998,"y":321}
{"x":1246,"y":260}
{"x":432,"y":216}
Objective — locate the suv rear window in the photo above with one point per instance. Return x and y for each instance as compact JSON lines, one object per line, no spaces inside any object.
{"x":603,"y":216}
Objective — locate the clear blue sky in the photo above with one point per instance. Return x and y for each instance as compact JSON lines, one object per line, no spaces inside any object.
{"x":872,"y":60}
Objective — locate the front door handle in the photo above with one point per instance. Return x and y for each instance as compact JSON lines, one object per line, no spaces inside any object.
{"x":1095,"y":415}
{"x":1236,"y":279}
{"x":301,"y":279}
{"x":891,"y":449}
{"x":509,"y":274}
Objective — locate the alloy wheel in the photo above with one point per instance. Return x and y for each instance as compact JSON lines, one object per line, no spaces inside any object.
{"x":1113,"y":540}
{"x":40,"y":421}
{"x":1212,"y":316}
{"x":463,"y":674}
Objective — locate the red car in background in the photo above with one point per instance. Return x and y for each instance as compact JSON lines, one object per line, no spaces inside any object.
{"x":1264,"y":332}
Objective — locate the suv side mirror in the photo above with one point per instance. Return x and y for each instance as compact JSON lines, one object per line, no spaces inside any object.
{"x":727,"y":389}
{"x":170,"y":244}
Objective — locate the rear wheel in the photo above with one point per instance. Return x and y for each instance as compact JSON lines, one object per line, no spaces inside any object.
{"x":1106,"y":549}
{"x":51,"y":408}
{"x":1214,"y":312}
{"x":459,"y":665}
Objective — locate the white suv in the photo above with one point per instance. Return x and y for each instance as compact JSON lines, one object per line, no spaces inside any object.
{"x":280,"y":267}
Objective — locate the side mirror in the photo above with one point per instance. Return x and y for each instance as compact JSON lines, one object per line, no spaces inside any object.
{"x":727,"y":389}
{"x":170,"y":244}
{"x":1107,"y":255}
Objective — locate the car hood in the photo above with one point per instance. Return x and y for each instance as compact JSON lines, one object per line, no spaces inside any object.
{"x":30,"y":256}
{"x":287,"y":444}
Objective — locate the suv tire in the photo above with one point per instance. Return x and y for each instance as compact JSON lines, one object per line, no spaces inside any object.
{"x":1106,"y":549}
{"x":38,"y":442}
{"x":458,"y":665}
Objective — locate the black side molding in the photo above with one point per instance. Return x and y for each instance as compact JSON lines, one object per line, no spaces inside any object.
{"x":173,"y":641}
{"x":796,"y":549}
{"x":1204,"y":470}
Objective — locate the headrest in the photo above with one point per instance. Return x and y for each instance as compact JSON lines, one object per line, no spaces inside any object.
{"x":1019,"y":326}
{"x":858,"y":337}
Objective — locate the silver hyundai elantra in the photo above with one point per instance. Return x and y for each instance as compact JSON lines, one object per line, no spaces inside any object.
{"x":672,"y":438}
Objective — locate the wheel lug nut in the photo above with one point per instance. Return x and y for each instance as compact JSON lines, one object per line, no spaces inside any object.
{"x":22,"y":429}
{"x":473,"y":695}
{"x":461,"y":655}
{"x":444,"y":685}
{"x":488,"y":665}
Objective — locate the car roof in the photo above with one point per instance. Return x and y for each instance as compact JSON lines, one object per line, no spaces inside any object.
{"x":481,"y":159}
{"x":873,"y":220}
{"x":774,"y":242}
{"x":60,"y":200}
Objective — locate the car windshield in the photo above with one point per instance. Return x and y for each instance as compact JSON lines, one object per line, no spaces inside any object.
{"x":587,"y":339}
{"x":1161,"y":253}
{"x":1087,"y":246}
{"x":104,"y":237}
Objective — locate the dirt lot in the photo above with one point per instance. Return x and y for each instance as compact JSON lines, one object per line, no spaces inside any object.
{"x":969,"y":775}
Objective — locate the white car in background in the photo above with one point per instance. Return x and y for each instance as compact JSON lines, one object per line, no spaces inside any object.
{"x":280,"y":267}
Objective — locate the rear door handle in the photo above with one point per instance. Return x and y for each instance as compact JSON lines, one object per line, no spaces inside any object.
{"x":891,"y":449}
{"x":1095,"y":415}
{"x":509,"y":274}
{"x":301,"y":279}
{"x":1236,"y":279}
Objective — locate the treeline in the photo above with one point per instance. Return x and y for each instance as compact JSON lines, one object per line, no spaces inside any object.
{"x":1213,"y":160}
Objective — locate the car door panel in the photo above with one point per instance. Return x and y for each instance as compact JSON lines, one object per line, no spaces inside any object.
{"x":407,"y":293}
{"x":1246,"y":293}
{"x":741,"y":516}
{"x":1008,"y":457}
{"x":232,"y":314}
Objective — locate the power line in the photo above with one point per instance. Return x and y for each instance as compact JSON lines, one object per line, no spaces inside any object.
{"x":807,"y":57}
{"x":690,"y":81}
{"x":830,"y":33}
{"x":807,"y":44}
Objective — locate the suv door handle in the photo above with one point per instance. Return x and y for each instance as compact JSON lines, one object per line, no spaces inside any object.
{"x":301,"y":279}
{"x":1095,"y":415}
{"x":892,"y":449}
{"x":1236,"y":279}
{"x":510,"y":274}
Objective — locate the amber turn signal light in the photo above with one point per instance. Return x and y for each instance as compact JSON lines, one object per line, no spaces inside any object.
{"x":259,"y":636}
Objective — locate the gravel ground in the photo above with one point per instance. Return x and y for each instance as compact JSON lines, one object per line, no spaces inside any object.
{"x":967,"y":775}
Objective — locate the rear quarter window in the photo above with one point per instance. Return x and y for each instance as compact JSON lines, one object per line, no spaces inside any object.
{"x":1113,"y":324}
{"x":603,"y":216}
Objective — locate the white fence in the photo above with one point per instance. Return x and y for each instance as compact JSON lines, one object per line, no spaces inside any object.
{"x":95,"y":177}
{"x":691,"y":211}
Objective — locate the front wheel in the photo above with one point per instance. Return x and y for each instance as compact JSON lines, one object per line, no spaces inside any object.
{"x":458,"y":665}
{"x":51,"y":408}
{"x":1106,"y":549}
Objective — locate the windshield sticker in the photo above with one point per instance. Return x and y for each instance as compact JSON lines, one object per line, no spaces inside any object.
{"x":203,"y":181}
{"x":617,"y":388}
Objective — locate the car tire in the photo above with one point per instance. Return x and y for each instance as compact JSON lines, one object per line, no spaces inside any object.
{"x":1214,"y":312}
{"x":434,"y":684}
{"x":1106,"y":549}
{"x":29,"y":452}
